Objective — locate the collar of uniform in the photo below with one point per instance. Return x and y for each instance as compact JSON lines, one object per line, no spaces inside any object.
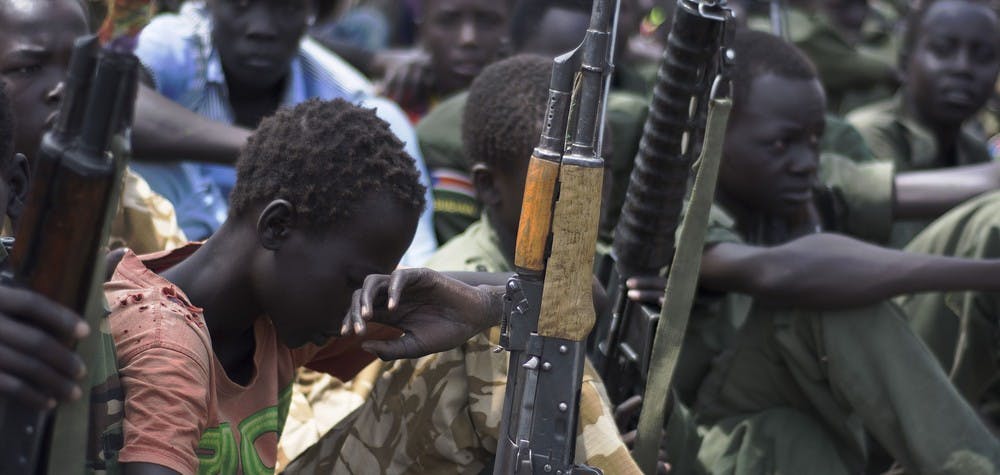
{"x":487,"y":240}
{"x":923,"y":145}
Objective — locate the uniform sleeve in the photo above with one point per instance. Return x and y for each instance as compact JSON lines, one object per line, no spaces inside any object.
{"x":866,"y":190}
{"x":166,"y":407}
{"x":598,"y":442}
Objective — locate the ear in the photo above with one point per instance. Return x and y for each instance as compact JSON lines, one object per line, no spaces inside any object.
{"x":18,"y":176}
{"x":275,"y":224}
{"x":484,"y":179}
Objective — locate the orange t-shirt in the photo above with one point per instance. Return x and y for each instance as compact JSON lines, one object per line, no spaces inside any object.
{"x":181,"y":409}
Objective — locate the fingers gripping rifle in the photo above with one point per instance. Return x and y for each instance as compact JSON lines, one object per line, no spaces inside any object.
{"x":550,"y":309}
{"x":76,"y":182}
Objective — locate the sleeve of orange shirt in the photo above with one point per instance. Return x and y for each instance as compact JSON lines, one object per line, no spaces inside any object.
{"x":167,"y":387}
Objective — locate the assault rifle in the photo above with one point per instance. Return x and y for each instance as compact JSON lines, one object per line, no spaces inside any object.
{"x":549,"y":308}
{"x":76,"y":182}
{"x":645,"y":234}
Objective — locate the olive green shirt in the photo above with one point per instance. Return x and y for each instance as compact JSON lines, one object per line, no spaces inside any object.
{"x":896,"y":137}
{"x":455,"y":204}
{"x":852,"y":75}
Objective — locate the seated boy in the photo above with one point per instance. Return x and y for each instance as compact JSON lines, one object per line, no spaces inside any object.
{"x":819,"y":357}
{"x":951,"y":56}
{"x":233,"y":63}
{"x":444,"y":409}
{"x":208,"y":337}
{"x":36,"y":39}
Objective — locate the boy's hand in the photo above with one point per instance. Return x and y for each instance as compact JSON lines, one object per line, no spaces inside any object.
{"x":435,"y":312}
{"x":36,"y":366}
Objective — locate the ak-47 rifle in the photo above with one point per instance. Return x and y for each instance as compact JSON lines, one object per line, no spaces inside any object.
{"x":644,"y":239}
{"x":550,"y":311}
{"x":58,"y":252}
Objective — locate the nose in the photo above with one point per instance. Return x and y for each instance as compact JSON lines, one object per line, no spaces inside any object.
{"x":467,"y":32}
{"x":804,"y":162}
{"x":260,"y":23}
{"x":961,"y":61}
{"x":54,"y":96}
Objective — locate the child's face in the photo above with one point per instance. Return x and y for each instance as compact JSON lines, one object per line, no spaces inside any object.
{"x":36,"y":42}
{"x":954,"y":63}
{"x":307,"y":284}
{"x":463,"y":37}
{"x":772,"y":145}
{"x":257,"y":39}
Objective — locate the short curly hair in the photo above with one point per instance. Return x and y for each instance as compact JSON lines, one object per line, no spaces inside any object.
{"x":759,"y":53}
{"x":324,"y":157}
{"x":505,"y":110}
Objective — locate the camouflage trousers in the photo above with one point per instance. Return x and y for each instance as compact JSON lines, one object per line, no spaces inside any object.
{"x":441,"y":414}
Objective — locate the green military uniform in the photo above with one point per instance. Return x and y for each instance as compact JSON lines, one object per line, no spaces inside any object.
{"x":796,"y":390}
{"x":852,"y":75}
{"x":960,"y":328}
{"x":440,"y":137}
{"x":894,"y":135}
{"x":455,"y":205}
{"x":441,"y":413}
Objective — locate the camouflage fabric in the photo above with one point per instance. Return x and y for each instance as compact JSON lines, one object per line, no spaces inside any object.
{"x":441,"y":414}
{"x":440,"y":137}
{"x":795,"y":391}
{"x":894,"y":135}
{"x":107,"y":400}
{"x":145,"y":221}
{"x":961,"y":328}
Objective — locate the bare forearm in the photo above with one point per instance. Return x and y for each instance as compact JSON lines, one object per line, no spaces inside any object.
{"x":166,"y":131}
{"x":929,"y":194}
{"x":828,"y":271}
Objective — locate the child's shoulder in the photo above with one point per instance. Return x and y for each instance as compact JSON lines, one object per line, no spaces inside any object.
{"x":148,"y":311}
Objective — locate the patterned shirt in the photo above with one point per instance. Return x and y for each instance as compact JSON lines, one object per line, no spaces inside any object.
{"x":186,"y":68}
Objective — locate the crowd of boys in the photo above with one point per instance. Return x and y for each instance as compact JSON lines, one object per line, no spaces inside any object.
{"x":324,"y":199}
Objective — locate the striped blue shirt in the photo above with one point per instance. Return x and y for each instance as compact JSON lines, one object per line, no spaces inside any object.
{"x":177,"y":49}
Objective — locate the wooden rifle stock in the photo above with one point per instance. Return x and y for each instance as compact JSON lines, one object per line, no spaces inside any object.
{"x":72,"y":198}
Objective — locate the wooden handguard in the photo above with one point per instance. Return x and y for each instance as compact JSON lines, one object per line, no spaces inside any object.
{"x":536,"y":214}
{"x":567,"y":309}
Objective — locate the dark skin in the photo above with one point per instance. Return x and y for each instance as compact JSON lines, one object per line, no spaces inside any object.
{"x":266,"y":262}
{"x":460,"y":38}
{"x":952,"y":69}
{"x":783,"y":271}
{"x":36,"y":43}
{"x":256,"y":41}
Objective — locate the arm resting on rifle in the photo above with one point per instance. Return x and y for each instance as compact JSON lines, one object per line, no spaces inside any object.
{"x":166,"y":131}
{"x":829,"y":271}
{"x":928,"y":194}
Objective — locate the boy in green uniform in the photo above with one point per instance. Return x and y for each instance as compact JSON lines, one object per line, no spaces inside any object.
{"x":951,"y":57}
{"x":441,"y":413}
{"x":961,"y":328}
{"x":547,"y":28}
{"x":814,"y":356}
